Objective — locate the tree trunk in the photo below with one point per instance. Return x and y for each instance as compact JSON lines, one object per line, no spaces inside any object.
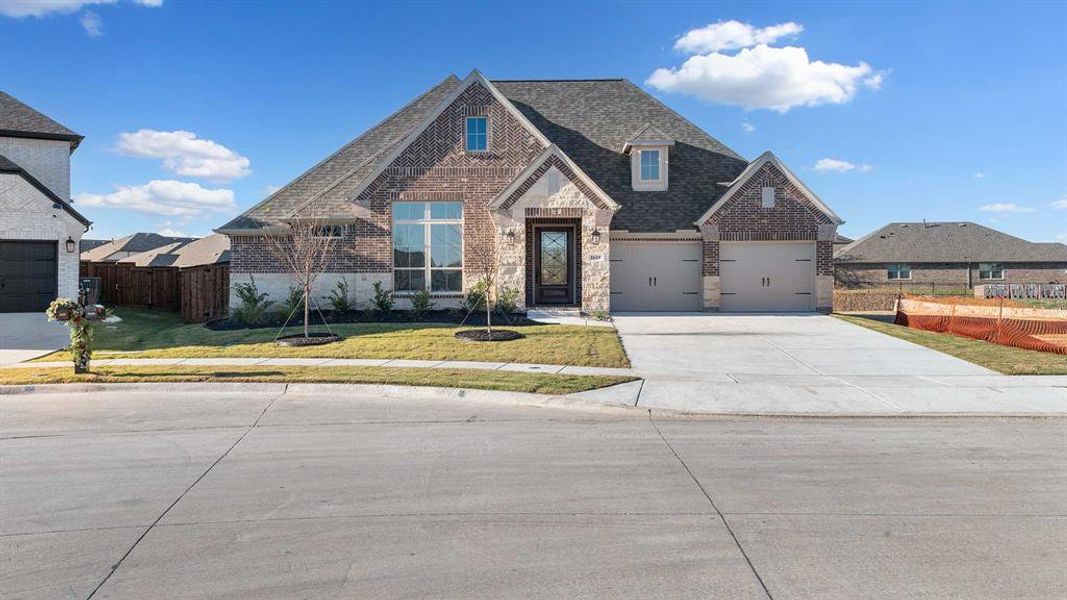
{"x":488,"y":311}
{"x":307,"y":296}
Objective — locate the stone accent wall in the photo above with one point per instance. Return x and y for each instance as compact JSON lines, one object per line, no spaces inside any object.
{"x":27,"y":214}
{"x":794,"y":217}
{"x":48,"y":161}
{"x":947,"y":274}
{"x":570,"y":203}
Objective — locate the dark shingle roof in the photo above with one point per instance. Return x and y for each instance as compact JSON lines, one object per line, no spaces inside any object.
{"x":591,"y":120}
{"x":137,"y":242}
{"x":946,"y":242}
{"x":19,"y":120}
{"x":86,"y":245}
{"x":9,"y":166}
{"x":331,"y":180}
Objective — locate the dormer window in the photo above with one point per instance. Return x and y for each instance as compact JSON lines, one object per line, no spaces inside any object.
{"x":477,"y":134}
{"x":650,"y":166}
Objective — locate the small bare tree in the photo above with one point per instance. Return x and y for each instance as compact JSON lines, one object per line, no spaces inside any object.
{"x":482,"y":261}
{"x":304,"y":254}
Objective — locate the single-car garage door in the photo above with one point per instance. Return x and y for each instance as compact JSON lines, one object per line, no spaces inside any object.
{"x":656,"y":275}
{"x":27,"y":275}
{"x":767,"y":276}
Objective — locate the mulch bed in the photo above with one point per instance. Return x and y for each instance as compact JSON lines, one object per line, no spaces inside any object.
{"x":312,"y":339}
{"x":481,"y":335}
{"x":446,"y":316}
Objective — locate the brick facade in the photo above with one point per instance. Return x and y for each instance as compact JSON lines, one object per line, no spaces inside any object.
{"x":947,"y":274}
{"x":794,"y":217}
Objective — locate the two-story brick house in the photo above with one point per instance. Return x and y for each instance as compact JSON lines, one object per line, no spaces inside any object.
{"x":39,"y":229}
{"x":580,"y":193}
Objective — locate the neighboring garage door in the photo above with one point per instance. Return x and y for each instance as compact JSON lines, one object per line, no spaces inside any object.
{"x":656,"y":276}
{"x":27,"y":275}
{"x":767,"y":276}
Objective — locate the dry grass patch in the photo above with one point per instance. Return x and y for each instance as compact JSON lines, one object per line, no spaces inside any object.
{"x":537,"y":383}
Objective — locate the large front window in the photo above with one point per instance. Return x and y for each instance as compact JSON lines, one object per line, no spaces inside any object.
{"x":428,"y":246}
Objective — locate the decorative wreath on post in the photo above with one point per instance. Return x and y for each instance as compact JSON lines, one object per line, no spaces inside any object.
{"x":80,"y":320}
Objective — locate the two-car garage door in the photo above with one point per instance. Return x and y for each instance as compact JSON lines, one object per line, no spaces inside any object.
{"x":27,"y":275}
{"x":754,"y":276}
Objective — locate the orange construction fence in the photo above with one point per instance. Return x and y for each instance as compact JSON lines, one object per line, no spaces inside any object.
{"x":995,"y":320}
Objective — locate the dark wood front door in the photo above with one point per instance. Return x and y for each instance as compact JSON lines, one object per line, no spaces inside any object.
{"x":554,"y":265}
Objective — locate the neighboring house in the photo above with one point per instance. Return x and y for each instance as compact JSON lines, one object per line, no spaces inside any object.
{"x":190,"y":276}
{"x":39,"y":229}
{"x":131,"y":245}
{"x":840,"y":242}
{"x":86,"y":245}
{"x":960,"y":254}
{"x":589,"y":194}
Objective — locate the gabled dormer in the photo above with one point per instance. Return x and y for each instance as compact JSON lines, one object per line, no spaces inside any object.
{"x":649,"y":150}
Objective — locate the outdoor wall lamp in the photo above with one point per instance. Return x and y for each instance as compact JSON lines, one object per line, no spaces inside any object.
{"x":70,"y":244}
{"x":595,"y":238}
{"x":511,"y":236}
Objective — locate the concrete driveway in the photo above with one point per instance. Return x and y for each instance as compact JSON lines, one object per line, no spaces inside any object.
{"x":812,"y":364}
{"x":28,"y":335}
{"x":263,"y":492}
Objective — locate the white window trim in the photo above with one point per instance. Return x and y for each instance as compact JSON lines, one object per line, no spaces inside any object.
{"x":466,"y":124}
{"x":641,"y":166}
{"x":343,"y":228}
{"x":889,"y":270}
{"x":649,"y":185}
{"x":427,"y":236}
{"x":980,"y":269}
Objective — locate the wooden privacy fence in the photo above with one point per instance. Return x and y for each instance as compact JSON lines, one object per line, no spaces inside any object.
{"x":199,"y":293}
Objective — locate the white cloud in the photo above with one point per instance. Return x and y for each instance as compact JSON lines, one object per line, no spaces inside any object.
{"x":185,"y":154}
{"x":165,"y":197}
{"x":979,"y":175}
{"x":1059,"y":204}
{"x":759,"y":75}
{"x":1005,"y":207}
{"x":839,"y":166}
{"x":149,"y":3}
{"x":41,"y":8}
{"x":748,"y":127}
{"x":167,"y":228}
{"x":732,"y":35}
{"x":91,"y":23}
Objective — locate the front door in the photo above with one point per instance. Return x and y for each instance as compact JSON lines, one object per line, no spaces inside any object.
{"x":554,"y":265}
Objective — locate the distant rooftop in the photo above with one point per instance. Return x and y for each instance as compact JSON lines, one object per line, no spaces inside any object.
{"x":950,"y":242}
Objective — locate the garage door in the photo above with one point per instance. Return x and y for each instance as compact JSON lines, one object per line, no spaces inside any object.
{"x":767,"y":276}
{"x":655,"y":276}
{"x":27,"y":275}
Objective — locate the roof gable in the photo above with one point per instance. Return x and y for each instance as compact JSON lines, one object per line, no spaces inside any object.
{"x":768,"y":159}
{"x":9,"y":166}
{"x":551,"y":157}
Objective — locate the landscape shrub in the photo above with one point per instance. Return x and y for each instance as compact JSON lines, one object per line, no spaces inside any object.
{"x":383,"y":298}
{"x":252,"y":304}
{"x":421,"y":304}
{"x":340,"y":301}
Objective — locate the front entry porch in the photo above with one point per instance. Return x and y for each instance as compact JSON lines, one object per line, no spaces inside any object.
{"x":553,"y":262}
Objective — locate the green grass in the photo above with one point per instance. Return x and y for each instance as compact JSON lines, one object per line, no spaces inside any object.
{"x":1004,"y":359}
{"x":539,"y":383}
{"x":153,"y":334}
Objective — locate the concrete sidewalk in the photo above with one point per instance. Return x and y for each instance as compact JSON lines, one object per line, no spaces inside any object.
{"x":337,"y":362}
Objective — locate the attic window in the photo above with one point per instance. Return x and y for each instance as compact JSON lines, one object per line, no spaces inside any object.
{"x":650,"y":166}
{"x":768,"y":197}
{"x":477,"y":134}
{"x":331,"y":231}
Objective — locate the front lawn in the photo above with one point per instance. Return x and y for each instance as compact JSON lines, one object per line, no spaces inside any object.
{"x":510,"y":381}
{"x":154,"y":334}
{"x":1004,"y":359}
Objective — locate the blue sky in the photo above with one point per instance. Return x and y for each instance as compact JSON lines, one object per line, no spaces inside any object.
{"x":937,"y":111}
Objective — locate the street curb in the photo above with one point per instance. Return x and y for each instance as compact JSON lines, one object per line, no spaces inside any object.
{"x":340,"y":389}
{"x":571,"y":402}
